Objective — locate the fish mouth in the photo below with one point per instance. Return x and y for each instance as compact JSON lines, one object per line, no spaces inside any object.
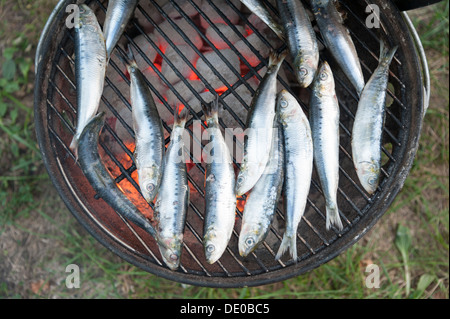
{"x":171,"y":254}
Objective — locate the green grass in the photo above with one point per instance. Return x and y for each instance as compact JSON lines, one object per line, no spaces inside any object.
{"x":418,"y":269}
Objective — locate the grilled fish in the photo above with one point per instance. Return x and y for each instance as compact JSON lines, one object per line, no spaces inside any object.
{"x":263,"y":200}
{"x":173,"y":197}
{"x":90,"y":69}
{"x":338,"y":40}
{"x":324,"y":121}
{"x":258,"y":141}
{"x":148,"y":129}
{"x":260,"y":10}
{"x":118,"y":15}
{"x":368,"y":125}
{"x":103,"y":184}
{"x":301,"y":40}
{"x":298,"y":150}
{"x":220,"y":196}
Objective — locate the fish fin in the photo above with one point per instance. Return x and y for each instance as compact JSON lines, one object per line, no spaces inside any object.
{"x":180,"y":116}
{"x":288,"y":242}
{"x":277,"y":58}
{"x":211,"y":110}
{"x":127,"y":59}
{"x":74,"y":147}
{"x":386,"y":54}
{"x":333,"y":218}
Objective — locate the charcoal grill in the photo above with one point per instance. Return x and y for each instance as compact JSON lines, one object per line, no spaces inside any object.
{"x":55,"y":114}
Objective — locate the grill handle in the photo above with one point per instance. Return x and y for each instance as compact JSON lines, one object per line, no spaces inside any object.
{"x":404,"y":5}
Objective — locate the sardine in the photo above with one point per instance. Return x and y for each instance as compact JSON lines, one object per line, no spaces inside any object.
{"x":298,"y":150}
{"x":100,"y":179}
{"x":338,"y":41}
{"x":262,"y":201}
{"x":258,"y":139}
{"x":148,"y":129}
{"x":118,"y":15}
{"x":260,"y":10}
{"x":324,"y":121}
{"x":369,"y":121}
{"x":220,"y":197}
{"x":301,"y":40}
{"x":90,"y":69}
{"x":173,"y":198}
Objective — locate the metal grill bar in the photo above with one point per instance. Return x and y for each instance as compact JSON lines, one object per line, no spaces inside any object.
{"x":228,"y":270}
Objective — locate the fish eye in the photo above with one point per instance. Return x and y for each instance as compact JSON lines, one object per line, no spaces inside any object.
{"x":210,"y":248}
{"x":284,"y":103}
{"x":372,"y":180}
{"x":150,"y":187}
{"x":173,"y":257}
{"x":249,"y":241}
{"x":240,"y":180}
{"x":323,"y":76}
{"x":303,"y":72}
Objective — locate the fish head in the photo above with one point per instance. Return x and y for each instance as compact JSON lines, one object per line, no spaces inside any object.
{"x":215,"y":243}
{"x":324,"y":80}
{"x":86,"y":17}
{"x":242,"y":180}
{"x":171,"y":250}
{"x":369,"y":175}
{"x":249,"y":238}
{"x":305,"y":69}
{"x":149,"y":179}
{"x":287,"y":107}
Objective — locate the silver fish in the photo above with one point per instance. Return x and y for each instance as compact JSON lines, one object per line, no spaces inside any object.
{"x":90,"y":69}
{"x":220,"y":197}
{"x":258,"y":140}
{"x":260,"y":10}
{"x":173,"y":198}
{"x":149,"y":133}
{"x":101,"y":180}
{"x":338,"y":41}
{"x":324,"y":121}
{"x":118,"y":15}
{"x":301,"y":40}
{"x":262,"y":201}
{"x":298,"y":149}
{"x":368,"y":125}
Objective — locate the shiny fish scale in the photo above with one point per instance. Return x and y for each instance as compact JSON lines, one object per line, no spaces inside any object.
{"x":301,"y":39}
{"x":118,"y":15}
{"x":259,"y":9}
{"x":369,"y":121}
{"x":90,"y":69}
{"x":298,"y":149}
{"x":220,"y":198}
{"x":149,"y":134}
{"x":262,"y":202}
{"x":338,"y":41}
{"x":324,"y":121}
{"x":173,"y":199}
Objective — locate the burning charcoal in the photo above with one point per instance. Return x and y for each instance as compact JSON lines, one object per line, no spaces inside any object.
{"x":221,"y":67}
{"x":172,"y":34}
{"x":156,"y":82}
{"x":178,"y":63}
{"x":227,"y":32}
{"x":236,"y":105}
{"x":152,"y":12}
{"x":146,"y":47}
{"x":185,"y":6}
{"x":184,"y":91}
{"x":257,"y":44}
{"x":224,"y":7}
{"x":257,"y":23}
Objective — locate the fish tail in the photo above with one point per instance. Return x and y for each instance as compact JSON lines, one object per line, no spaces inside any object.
{"x":288,"y":242}
{"x":180,"y":116}
{"x":74,"y":147}
{"x":275,"y":59}
{"x":211,"y":110}
{"x":127,"y":59}
{"x":386,"y":54}
{"x":333,"y":218}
